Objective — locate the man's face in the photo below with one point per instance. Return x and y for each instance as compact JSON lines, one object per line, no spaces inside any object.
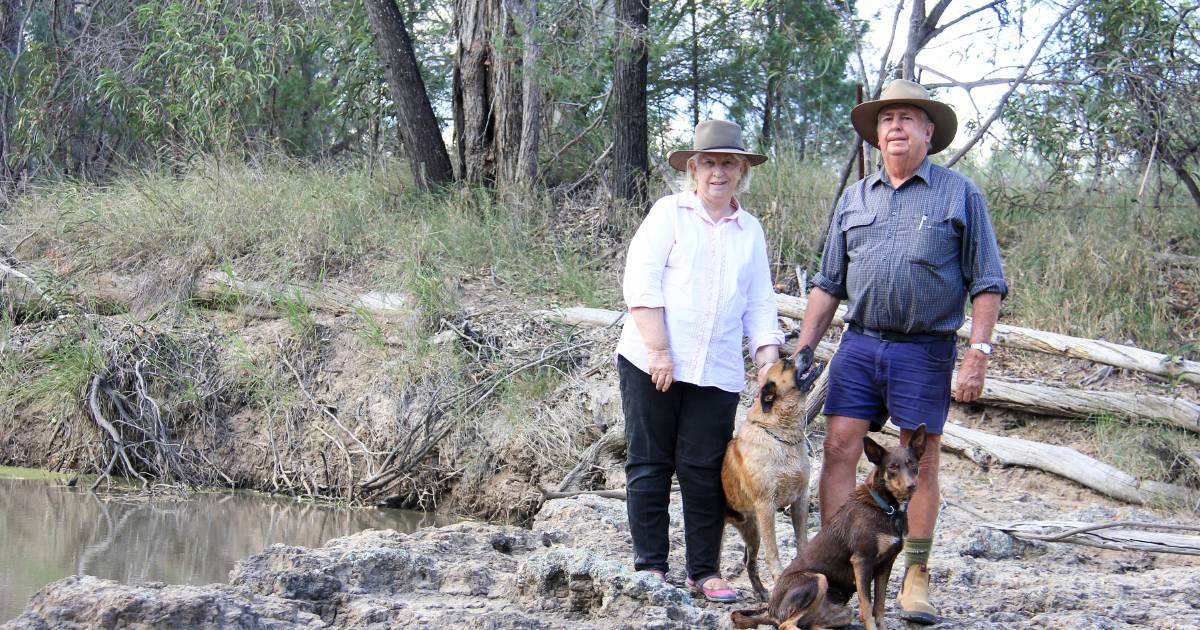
{"x":904,"y":130}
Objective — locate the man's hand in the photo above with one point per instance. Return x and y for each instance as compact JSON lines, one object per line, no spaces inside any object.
{"x":662,"y":369}
{"x":971,"y":376}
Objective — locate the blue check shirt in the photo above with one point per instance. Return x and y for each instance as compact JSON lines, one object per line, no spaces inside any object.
{"x":905,"y":259}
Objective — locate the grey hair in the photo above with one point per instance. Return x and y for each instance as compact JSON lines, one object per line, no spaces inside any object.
{"x":689,"y":178}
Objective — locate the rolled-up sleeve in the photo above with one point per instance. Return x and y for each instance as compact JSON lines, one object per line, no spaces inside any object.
{"x":760,"y":322}
{"x":983,"y":270}
{"x":647,"y":257}
{"x":832,"y":276}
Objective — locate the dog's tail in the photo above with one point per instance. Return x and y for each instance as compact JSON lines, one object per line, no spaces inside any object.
{"x":753,"y":618}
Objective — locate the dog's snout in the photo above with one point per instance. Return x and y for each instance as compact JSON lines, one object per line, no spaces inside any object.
{"x":806,"y":378}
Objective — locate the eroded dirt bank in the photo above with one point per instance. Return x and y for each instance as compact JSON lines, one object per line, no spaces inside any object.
{"x":571,"y":569}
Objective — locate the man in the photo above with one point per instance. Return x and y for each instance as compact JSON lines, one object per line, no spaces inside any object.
{"x":906,"y":247}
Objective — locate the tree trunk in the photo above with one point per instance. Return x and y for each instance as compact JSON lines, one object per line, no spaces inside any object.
{"x":419,"y":131}
{"x":769,"y":98}
{"x":506,"y":91}
{"x":531,"y":96}
{"x":473,"y":115}
{"x":695,"y":69}
{"x":1104,"y":536}
{"x":1081,"y":403}
{"x":631,"y":162}
{"x":12,"y":17}
{"x":1181,"y":172}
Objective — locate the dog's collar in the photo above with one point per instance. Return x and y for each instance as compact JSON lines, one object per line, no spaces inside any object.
{"x":777,"y":438}
{"x":888,"y":508}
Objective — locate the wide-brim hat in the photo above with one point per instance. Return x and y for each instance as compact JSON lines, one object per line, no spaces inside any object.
{"x":903,"y":92}
{"x":715,"y":136}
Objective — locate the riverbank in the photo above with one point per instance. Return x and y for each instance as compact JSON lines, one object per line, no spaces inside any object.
{"x":571,"y":569}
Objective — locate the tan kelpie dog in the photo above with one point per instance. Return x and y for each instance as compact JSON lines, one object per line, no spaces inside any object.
{"x":850,"y":554}
{"x":766,"y":465}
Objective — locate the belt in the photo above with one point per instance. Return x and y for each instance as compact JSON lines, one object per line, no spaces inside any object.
{"x":889,"y":335}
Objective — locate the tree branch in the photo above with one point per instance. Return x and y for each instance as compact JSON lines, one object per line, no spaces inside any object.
{"x":979,"y":133}
{"x":964,"y":16}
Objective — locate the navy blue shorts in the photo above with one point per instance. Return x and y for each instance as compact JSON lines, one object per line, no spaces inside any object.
{"x":871,"y":379}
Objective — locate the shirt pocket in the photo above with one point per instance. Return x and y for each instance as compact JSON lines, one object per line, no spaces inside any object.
{"x":857,"y":227}
{"x":936,"y":243}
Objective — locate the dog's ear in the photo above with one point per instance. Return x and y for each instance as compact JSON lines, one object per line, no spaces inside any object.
{"x":875,"y":452}
{"x":766,"y":396}
{"x":917,"y":442}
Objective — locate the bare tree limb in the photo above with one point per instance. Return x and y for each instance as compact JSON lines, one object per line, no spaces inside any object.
{"x":964,"y":16}
{"x":979,"y":133}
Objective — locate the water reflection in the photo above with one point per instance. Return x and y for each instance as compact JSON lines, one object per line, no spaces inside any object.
{"x":49,"y":531}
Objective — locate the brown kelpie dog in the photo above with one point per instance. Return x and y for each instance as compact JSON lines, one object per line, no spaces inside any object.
{"x":766,"y":465}
{"x":850,"y":554}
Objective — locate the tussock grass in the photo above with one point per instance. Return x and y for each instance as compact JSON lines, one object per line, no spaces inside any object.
{"x":288,"y":221}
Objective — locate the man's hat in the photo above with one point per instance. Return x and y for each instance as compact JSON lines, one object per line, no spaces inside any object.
{"x":903,"y":92}
{"x":715,"y":136}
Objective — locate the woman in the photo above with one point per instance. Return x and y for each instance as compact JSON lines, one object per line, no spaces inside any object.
{"x":696,"y":281}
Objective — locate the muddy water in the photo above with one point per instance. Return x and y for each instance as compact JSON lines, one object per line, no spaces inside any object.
{"x":49,"y":531}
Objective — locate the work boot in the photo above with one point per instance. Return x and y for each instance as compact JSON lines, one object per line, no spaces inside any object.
{"x":914,"y":596}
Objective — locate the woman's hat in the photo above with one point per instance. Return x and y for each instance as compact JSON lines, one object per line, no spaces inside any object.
{"x":715,"y":136}
{"x":902,"y":92}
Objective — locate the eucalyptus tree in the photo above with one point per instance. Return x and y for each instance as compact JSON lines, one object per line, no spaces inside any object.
{"x":418,"y":128}
{"x":497,"y":99}
{"x":1124,"y":78}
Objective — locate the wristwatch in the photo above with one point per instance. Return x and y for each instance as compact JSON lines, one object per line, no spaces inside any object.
{"x":983,"y":347}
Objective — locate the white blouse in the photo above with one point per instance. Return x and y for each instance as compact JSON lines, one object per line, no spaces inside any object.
{"x":714,"y":282}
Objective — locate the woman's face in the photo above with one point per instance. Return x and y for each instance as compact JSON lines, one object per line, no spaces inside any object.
{"x":717,"y":175}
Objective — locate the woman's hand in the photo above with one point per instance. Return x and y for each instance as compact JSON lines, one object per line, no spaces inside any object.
{"x":765,"y":356}
{"x":662,"y":369}
{"x":762,"y":373}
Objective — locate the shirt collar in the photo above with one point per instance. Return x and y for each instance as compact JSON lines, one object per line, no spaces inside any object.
{"x":691,"y":201}
{"x":923,"y":172}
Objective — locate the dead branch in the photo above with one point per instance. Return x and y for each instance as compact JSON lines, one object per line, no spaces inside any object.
{"x":1117,"y":355}
{"x":987,"y":450}
{"x":612,"y":442}
{"x":1096,"y":535}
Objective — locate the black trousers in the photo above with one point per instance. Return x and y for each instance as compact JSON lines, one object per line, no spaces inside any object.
{"x":682,"y":431}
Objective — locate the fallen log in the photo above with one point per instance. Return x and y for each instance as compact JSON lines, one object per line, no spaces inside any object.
{"x":1042,"y":399}
{"x":223,"y":290}
{"x":1081,"y":403}
{"x":216,"y":287}
{"x":1105,"y":536}
{"x":988,"y":450}
{"x":1113,"y":354}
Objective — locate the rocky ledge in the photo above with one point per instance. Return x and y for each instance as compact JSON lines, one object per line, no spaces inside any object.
{"x":571,"y":570}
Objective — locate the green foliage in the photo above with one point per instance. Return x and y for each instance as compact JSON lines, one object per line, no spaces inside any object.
{"x":55,"y":380}
{"x":796,"y":50}
{"x":1130,"y":71}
